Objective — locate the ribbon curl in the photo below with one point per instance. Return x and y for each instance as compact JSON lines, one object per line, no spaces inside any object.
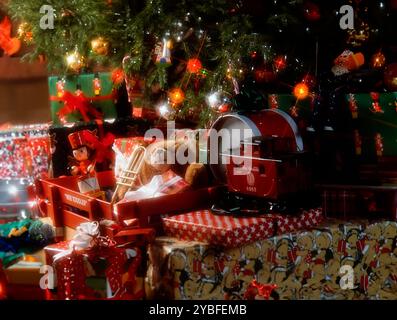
{"x":79,"y":103}
{"x":101,"y":146}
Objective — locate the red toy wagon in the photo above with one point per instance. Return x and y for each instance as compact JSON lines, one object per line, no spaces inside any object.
{"x":60,"y":200}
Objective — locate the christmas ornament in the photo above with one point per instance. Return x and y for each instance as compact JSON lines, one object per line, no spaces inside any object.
{"x":8,"y":44}
{"x":390,"y":77}
{"x":24,"y":32}
{"x":225,"y":107}
{"x":301,"y":91}
{"x":353,"y":105}
{"x":273,"y":101}
{"x":379,"y":144}
{"x":75,"y":61}
{"x":176,"y":96}
{"x":378,"y":60}
{"x":134,"y":84}
{"x":357,"y":142}
{"x":280,"y":63}
{"x":163,"y":52}
{"x":311,"y":11}
{"x":375,"y":106}
{"x":214,"y":100}
{"x":194,"y":66}
{"x":359,"y":35}
{"x":347,"y":61}
{"x":165,"y":111}
{"x":100,"y":46}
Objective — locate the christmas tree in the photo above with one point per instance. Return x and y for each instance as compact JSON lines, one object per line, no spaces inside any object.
{"x":193,"y":58}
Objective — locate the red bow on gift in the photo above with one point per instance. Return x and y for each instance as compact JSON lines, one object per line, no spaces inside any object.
{"x":79,"y":103}
{"x":101,"y":146}
{"x":257,"y":289}
{"x":9,"y":44}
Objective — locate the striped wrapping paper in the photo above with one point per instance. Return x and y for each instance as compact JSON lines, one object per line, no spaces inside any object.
{"x":229,"y":231}
{"x":225,"y":231}
{"x":308,"y":219}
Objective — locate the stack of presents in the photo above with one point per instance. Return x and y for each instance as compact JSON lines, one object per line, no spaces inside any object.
{"x":110,"y":219}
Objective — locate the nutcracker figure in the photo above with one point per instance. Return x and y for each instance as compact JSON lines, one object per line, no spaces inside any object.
{"x":379,"y":145}
{"x":83,"y":162}
{"x":353,"y":106}
{"x":357,"y":142}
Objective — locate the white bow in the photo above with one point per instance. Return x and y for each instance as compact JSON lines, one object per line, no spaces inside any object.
{"x":86,"y":233}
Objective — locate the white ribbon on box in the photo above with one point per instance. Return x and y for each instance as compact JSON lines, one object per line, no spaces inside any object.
{"x":86,"y":233}
{"x":153,"y":189}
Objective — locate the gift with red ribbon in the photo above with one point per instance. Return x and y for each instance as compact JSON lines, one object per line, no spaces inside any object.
{"x":93,"y":267}
{"x":84,"y":97}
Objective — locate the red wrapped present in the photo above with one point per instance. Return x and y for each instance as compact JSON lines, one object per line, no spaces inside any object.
{"x":305,"y":220}
{"x":226,"y":231}
{"x":92,"y":267}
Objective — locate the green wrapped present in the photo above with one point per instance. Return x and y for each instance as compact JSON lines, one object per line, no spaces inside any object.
{"x":82,"y":97}
{"x":375,"y":124}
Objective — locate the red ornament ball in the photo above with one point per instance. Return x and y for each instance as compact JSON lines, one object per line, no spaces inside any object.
{"x":390,"y":77}
{"x":224,"y":108}
{"x":311,"y":11}
{"x":194,"y":66}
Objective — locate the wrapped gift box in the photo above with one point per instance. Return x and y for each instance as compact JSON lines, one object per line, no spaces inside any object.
{"x":306,"y":220}
{"x":24,"y":152}
{"x":375,"y":130}
{"x":98,"y":88}
{"x":232,"y":231}
{"x":304,"y":265}
{"x":204,"y":226}
{"x":96,"y":273}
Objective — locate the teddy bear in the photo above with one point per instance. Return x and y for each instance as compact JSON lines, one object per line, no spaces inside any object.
{"x":371,"y":250}
{"x":232,"y":283}
{"x":337,"y":240}
{"x":304,"y":255}
{"x":315,"y":282}
{"x":287,"y":284}
{"x":210,"y":283}
{"x":194,"y":263}
{"x":332,"y":276}
{"x":283,"y":248}
{"x":251,"y":262}
{"x":177,"y":266}
{"x":323,"y":241}
{"x":162,"y":156}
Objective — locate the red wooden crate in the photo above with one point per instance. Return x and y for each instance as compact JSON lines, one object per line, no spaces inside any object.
{"x":59,"y":198}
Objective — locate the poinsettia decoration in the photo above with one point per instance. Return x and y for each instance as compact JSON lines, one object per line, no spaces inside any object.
{"x":8,"y":44}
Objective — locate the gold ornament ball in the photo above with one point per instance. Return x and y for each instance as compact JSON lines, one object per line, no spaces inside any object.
{"x":378,"y":60}
{"x":24,"y":32}
{"x":100,"y":46}
{"x":75,"y":61}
